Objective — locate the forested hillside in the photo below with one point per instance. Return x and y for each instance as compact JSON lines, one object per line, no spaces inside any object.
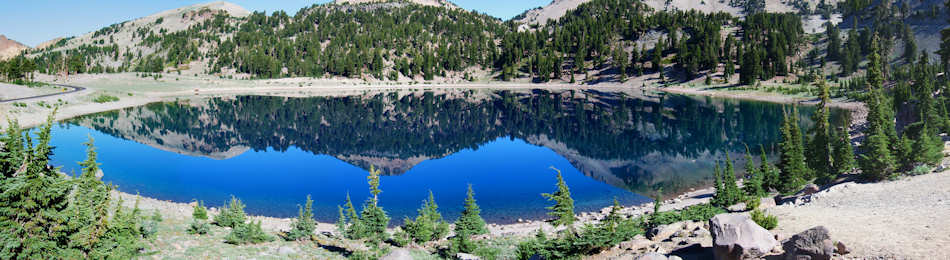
{"x":395,"y":40}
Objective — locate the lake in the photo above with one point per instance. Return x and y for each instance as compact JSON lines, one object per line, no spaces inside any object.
{"x":271,"y":152}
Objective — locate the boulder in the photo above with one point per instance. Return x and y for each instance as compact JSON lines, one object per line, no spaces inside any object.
{"x":398,"y":254}
{"x":665,"y":231}
{"x":841,"y":248}
{"x":652,"y":256}
{"x":464,"y":256}
{"x":765,"y":203}
{"x":738,"y":207}
{"x":809,"y":190}
{"x":700,"y":232}
{"x":811,"y":244}
{"x":736,"y":236}
{"x":635,"y":244}
{"x":286,"y":250}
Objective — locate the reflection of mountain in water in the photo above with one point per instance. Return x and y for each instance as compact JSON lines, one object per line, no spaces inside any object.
{"x":638,"y":143}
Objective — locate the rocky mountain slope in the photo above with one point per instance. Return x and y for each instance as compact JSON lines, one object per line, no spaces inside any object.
{"x":438,"y":3}
{"x":10,"y":48}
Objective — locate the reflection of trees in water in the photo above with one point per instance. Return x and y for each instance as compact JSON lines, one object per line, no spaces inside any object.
{"x":594,"y":126}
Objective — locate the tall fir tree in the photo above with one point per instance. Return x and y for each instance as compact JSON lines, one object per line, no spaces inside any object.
{"x":563,"y":208}
{"x":792,"y":160}
{"x":302,"y":228}
{"x":819,"y":153}
{"x":373,"y":218}
{"x":469,"y":224}
{"x":754,"y":178}
{"x":843,"y":152}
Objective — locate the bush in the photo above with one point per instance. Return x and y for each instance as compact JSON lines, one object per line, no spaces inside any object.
{"x":105,"y":99}
{"x":701,"y":212}
{"x":200,"y":212}
{"x":764,"y":220}
{"x":752,"y":203}
{"x":247,"y":233}
{"x":231,"y":215}
{"x":920,"y":170}
{"x":199,"y":227}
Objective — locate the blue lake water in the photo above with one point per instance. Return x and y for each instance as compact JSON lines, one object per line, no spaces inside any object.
{"x":271,"y":152}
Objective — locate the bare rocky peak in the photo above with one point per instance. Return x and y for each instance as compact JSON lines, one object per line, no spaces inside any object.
{"x":440,"y":3}
{"x":10,"y":48}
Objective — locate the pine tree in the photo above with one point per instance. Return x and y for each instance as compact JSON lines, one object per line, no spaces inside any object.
{"x":719,"y":197}
{"x":469,"y":224}
{"x":928,"y":147}
{"x":304,"y":225}
{"x":732,"y":193}
{"x":341,"y":221}
{"x":199,"y":211}
{"x":754,"y":178}
{"x":843,"y":153}
{"x":819,"y":147}
{"x":373,"y":218}
{"x":428,"y":225}
{"x":231,"y":215}
{"x":792,"y":162}
{"x":563,"y":208}
{"x":89,"y":208}
{"x":355,"y":228}
{"x":770,"y":174}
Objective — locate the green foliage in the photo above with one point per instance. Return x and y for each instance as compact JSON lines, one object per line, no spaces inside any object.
{"x":428,"y":225}
{"x":304,"y":225}
{"x":247,"y":233}
{"x":199,"y":211}
{"x":105,"y":99}
{"x":44,"y":215}
{"x":469,"y":223}
{"x":843,"y":156}
{"x":563,"y":208}
{"x":727,"y":191}
{"x":819,"y":151}
{"x":198,"y":227}
{"x":764,"y":220}
{"x":792,"y":162}
{"x":755,"y":179}
{"x":231,"y":215}
{"x":372,"y":221}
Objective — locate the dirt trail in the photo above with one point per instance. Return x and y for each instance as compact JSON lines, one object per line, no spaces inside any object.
{"x":903,"y":219}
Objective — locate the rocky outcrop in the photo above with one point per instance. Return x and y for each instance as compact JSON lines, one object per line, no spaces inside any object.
{"x":811,"y":244}
{"x":736,"y":236}
{"x":398,"y":254}
{"x":666,"y":231}
{"x":464,"y":256}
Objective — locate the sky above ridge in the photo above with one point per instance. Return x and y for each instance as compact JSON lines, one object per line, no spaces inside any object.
{"x":36,"y":21}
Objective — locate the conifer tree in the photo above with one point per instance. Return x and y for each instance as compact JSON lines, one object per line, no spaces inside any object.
{"x":754,"y":178}
{"x":304,"y":225}
{"x":928,"y":148}
{"x":732,"y":194}
{"x":563,"y":208}
{"x":355,"y":228}
{"x":373,"y":219}
{"x":428,"y":225}
{"x":341,"y":221}
{"x":819,"y":147}
{"x":231,"y":215}
{"x":843,"y":153}
{"x":469,"y":224}
{"x":770,"y":174}
{"x":89,"y":208}
{"x":719,"y":195}
{"x":792,"y":162}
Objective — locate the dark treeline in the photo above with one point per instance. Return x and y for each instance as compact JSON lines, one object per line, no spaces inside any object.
{"x":396,"y":40}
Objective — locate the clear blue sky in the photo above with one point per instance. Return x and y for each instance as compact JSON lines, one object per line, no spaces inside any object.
{"x":34,"y":21}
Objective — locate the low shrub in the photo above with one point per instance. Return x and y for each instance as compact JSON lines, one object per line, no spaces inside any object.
{"x":199,"y":227}
{"x":247,"y":233}
{"x":764,"y":220}
{"x":231,"y":215}
{"x":105,"y":99}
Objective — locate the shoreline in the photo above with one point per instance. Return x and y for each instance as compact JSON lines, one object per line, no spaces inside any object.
{"x":78,"y":104}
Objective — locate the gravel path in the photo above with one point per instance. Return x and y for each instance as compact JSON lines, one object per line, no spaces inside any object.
{"x":904,"y":219}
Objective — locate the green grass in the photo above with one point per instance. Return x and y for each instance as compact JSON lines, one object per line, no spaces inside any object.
{"x":105,"y":99}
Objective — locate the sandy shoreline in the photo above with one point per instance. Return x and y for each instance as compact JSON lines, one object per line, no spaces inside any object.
{"x":134,"y":91}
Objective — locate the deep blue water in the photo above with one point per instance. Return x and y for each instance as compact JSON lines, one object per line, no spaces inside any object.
{"x":282,"y":149}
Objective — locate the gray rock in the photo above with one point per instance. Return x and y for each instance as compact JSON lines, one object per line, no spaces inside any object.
{"x":739,"y":207}
{"x":841,"y":248}
{"x":811,"y":244}
{"x":664,"y":232}
{"x":809,"y":190}
{"x":765,"y":203}
{"x":464,"y":256}
{"x":635,"y":244}
{"x":652,"y":256}
{"x":398,"y":254}
{"x":701,"y":232}
{"x":736,"y":236}
{"x":673,"y":257}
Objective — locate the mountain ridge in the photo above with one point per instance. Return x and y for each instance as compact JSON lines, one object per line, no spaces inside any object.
{"x":10,"y":48}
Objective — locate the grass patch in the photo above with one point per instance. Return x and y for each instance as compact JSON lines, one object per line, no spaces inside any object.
{"x":105,"y":99}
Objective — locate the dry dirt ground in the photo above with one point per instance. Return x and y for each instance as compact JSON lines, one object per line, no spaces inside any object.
{"x":901,"y":219}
